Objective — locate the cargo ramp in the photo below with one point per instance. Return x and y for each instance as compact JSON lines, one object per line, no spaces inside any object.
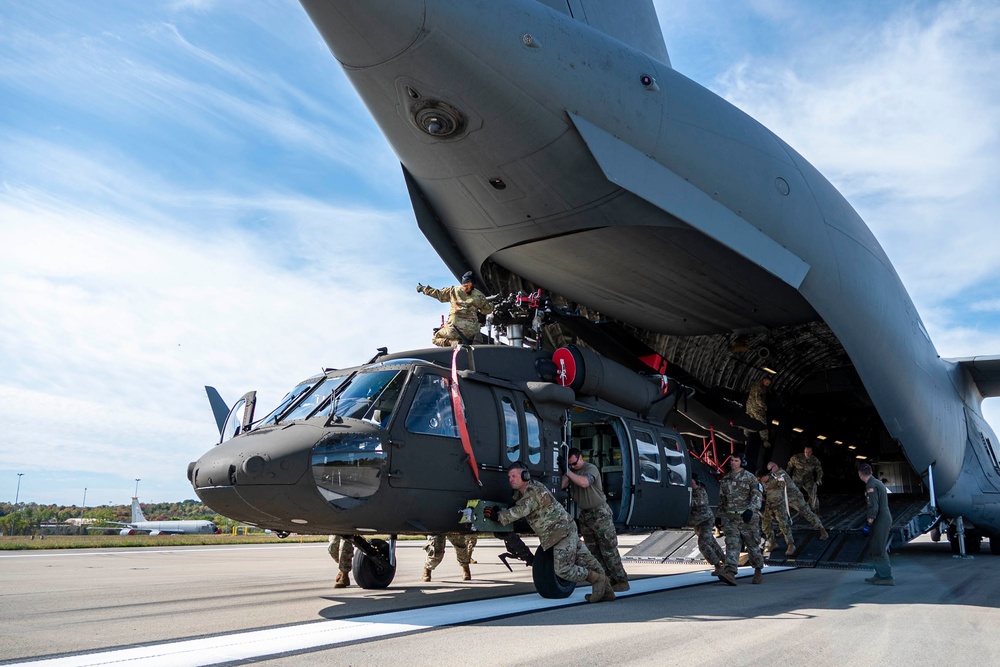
{"x":843,"y":516}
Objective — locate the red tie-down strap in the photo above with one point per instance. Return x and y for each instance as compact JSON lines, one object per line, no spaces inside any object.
{"x":459,"y":407}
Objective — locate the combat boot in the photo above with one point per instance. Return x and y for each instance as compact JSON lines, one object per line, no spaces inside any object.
{"x":727,"y":577}
{"x":770,"y":546}
{"x":823,"y":535}
{"x":339,"y":581}
{"x":601,"y":587}
{"x":790,"y":551}
{"x":758,"y":576}
{"x":719,"y":568}
{"x":427,"y":574}
{"x":620,"y":587}
{"x":466,"y":573}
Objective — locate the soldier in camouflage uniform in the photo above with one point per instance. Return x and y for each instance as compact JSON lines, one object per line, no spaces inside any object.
{"x":341,"y":549}
{"x":463,"y":552}
{"x":739,"y":506}
{"x":757,"y":407}
{"x":796,"y":501}
{"x":703,"y":520}
{"x":555,"y":529}
{"x":807,"y":473}
{"x":596,"y":524}
{"x":463,"y":319}
{"x":775,"y":509}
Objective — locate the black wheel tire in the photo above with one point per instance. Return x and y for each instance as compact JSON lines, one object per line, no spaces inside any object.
{"x":543,"y":574}
{"x":367,"y":573}
{"x":973,"y":543}
{"x":995,"y":545}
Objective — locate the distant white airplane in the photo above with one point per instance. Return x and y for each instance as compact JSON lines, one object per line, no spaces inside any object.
{"x":139,"y":524}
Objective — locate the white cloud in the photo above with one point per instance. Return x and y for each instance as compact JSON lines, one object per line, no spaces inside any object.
{"x":902,"y":118}
{"x":116,"y":316}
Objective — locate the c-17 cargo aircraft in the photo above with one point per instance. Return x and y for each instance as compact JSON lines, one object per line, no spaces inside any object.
{"x":667,"y":236}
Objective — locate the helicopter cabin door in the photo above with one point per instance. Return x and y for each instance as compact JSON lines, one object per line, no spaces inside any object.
{"x":660,"y":494}
{"x":425,"y":449}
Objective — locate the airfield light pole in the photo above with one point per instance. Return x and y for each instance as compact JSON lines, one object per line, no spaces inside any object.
{"x":84,"y":498}
{"x":136,"y":487}
{"x":17,"y":494}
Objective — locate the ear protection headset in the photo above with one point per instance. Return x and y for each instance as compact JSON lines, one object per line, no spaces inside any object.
{"x":525,"y":473}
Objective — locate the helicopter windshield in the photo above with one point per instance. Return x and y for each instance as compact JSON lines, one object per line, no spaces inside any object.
{"x":289,"y":398}
{"x":319,"y":396}
{"x":366,"y":394}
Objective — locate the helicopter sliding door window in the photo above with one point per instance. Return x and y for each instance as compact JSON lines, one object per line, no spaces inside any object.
{"x":674,"y":460}
{"x":511,"y":429}
{"x":534,"y":432}
{"x":431,"y":412}
{"x":649,"y":456}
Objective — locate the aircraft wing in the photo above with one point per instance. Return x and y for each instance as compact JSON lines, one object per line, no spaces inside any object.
{"x":985,"y":372}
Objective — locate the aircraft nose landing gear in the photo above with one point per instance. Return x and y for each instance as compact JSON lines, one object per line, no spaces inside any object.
{"x":374,"y":564}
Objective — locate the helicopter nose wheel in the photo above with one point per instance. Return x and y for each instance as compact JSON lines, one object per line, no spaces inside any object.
{"x":376,"y":570}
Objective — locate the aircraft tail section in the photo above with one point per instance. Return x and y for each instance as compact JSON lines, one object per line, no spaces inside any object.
{"x":137,"y":515}
{"x":985,"y":373}
{"x":631,"y":21}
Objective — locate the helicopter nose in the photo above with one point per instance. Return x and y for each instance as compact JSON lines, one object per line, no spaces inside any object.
{"x":242,"y":477}
{"x":363,"y":33}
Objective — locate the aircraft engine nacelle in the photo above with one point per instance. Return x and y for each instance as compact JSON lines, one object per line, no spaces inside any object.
{"x":590,"y":374}
{"x":126,"y":531}
{"x":154,"y":532}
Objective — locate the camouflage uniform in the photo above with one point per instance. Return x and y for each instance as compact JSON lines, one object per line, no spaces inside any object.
{"x":435,"y":549}
{"x":757,"y":408}
{"x":776,"y":509}
{"x":597,"y":527}
{"x":463,"y":316}
{"x":341,"y":548}
{"x":807,"y":473}
{"x":740,"y":491}
{"x":555,"y":530}
{"x":702,"y":520}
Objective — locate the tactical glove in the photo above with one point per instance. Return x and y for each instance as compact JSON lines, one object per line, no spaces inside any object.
{"x":747,"y":515}
{"x":420,"y":288}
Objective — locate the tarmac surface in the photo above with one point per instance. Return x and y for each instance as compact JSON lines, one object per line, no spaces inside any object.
{"x":275,"y":604}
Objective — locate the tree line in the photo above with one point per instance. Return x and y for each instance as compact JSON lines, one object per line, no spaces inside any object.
{"x":26,"y":518}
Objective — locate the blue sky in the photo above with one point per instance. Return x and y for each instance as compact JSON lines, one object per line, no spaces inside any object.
{"x":191,"y":193}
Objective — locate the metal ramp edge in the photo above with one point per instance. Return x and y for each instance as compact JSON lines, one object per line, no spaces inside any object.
{"x":846,"y":548}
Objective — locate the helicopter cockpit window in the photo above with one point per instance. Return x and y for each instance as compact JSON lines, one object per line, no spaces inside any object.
{"x":315,"y":398}
{"x":234,"y":422}
{"x":431,"y":412}
{"x":511,"y":430}
{"x":649,"y":456}
{"x":289,"y":398}
{"x":356,"y":399}
{"x":382,"y":407}
{"x":534,"y":434}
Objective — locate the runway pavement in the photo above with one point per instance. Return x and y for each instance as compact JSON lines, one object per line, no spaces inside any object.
{"x":276,"y":604}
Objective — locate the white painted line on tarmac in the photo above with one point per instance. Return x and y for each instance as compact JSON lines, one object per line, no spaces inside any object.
{"x":327,"y":634}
